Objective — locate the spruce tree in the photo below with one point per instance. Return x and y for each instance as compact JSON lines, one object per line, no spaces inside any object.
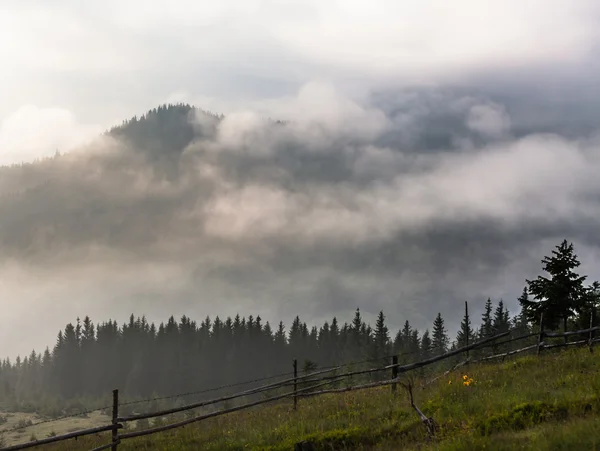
{"x":324,"y":343}
{"x":406,"y":334}
{"x":405,"y":342}
{"x":358,"y":331}
{"x":426,"y":345}
{"x":267,"y":334}
{"x":501,"y":322}
{"x":280,"y":338}
{"x":589,"y":307}
{"x":334,"y":342}
{"x":520,"y":325}
{"x":486,"y":330}
{"x":559,"y":296}
{"x":313,"y":344}
{"x":415,"y":344}
{"x":465,"y":334}
{"x":440,"y":336}
{"x":149,"y":361}
{"x":382,"y":336}
{"x":398,"y":342}
{"x":357,"y":322}
{"x":295,"y":336}
{"x":334,"y":332}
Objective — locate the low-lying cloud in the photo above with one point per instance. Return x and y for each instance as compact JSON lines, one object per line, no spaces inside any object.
{"x":32,"y":133}
{"x":347,"y":203}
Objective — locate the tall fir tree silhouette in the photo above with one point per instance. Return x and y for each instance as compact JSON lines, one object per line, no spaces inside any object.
{"x":440,"y":339}
{"x":465,"y":333}
{"x":561,"y":294}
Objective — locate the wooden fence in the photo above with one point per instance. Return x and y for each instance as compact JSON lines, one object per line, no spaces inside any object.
{"x":315,"y":380}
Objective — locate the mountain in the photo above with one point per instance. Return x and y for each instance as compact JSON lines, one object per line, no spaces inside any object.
{"x":409,"y":203}
{"x":165,"y":130}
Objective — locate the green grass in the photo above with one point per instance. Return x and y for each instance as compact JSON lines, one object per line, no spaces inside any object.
{"x":550,"y":402}
{"x":574,"y":434}
{"x":42,"y":430}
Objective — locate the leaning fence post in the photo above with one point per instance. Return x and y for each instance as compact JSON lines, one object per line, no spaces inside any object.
{"x":295,"y":384}
{"x":540,"y":342}
{"x":115,"y":416}
{"x":394,"y":373}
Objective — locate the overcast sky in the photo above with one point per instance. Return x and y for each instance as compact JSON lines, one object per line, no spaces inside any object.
{"x":444,"y":149}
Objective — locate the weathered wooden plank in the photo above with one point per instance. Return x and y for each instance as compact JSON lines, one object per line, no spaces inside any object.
{"x":217,"y":413}
{"x":263,"y":388}
{"x":574,"y":332}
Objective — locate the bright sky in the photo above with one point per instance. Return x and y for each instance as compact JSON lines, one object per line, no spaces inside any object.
{"x":71,"y":68}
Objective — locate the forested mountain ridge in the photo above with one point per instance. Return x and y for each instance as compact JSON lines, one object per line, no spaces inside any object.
{"x":133,"y":175}
{"x":70,"y":199}
{"x":166,"y":130}
{"x":225,"y":214}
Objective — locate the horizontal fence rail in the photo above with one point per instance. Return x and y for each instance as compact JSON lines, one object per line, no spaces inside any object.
{"x":318,"y":380}
{"x":422,"y":363}
{"x":217,"y":413}
{"x":506,"y":354}
{"x":253,"y":391}
{"x":411,"y":366}
{"x":60,"y":438}
{"x":519,"y":338}
{"x":571,"y":343}
{"x":568,"y":334}
{"x":352,"y":387}
{"x":207,"y":390}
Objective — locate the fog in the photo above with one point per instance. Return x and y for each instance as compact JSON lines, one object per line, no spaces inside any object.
{"x":428,"y":156}
{"x":314,"y":217}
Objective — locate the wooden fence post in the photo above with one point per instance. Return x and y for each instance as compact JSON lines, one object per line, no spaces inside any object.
{"x":466,"y":318}
{"x":115,"y":415}
{"x":540,"y":342}
{"x":394,"y":373}
{"x":295,"y":384}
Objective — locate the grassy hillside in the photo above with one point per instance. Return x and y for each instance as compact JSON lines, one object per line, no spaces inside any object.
{"x":550,"y":402}
{"x":40,"y":428}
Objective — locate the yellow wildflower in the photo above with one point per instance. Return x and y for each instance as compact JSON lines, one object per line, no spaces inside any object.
{"x":465,"y":377}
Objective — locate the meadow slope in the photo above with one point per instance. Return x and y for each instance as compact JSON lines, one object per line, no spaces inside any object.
{"x":529,"y":402}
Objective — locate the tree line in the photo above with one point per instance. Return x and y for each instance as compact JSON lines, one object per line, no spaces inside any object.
{"x":144,"y":360}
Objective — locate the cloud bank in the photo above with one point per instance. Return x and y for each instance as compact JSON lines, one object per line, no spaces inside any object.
{"x":347,"y":203}
{"x":429,"y":154}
